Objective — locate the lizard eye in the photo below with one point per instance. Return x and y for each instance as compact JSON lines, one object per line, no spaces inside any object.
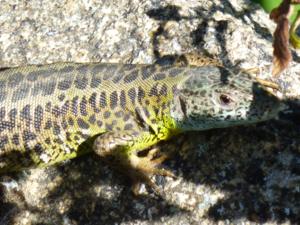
{"x":225,"y":99}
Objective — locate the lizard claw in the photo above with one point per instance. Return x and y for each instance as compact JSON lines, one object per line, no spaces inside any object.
{"x":143,"y":168}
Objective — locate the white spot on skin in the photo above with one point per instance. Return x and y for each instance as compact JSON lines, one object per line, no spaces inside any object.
{"x":45,"y":157}
{"x":64,"y":145}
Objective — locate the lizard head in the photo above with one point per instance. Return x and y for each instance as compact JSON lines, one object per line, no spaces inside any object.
{"x":212,"y":97}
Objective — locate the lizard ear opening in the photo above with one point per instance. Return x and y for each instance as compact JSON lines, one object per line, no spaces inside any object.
{"x":179,"y":109}
{"x":182,"y":104}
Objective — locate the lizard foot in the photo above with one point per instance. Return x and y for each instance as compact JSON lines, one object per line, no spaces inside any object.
{"x":140,"y":166}
{"x":144,"y":167}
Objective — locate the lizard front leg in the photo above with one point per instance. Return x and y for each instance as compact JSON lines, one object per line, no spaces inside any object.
{"x":125,"y":150}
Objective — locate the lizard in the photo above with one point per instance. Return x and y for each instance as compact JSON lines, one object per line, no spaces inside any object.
{"x":51,"y":113}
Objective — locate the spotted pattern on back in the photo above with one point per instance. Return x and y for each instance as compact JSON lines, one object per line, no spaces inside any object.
{"x":48,"y":111}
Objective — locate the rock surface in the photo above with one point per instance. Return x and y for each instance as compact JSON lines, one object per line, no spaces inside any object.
{"x":237,"y":175}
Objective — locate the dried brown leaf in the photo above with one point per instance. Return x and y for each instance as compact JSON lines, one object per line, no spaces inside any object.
{"x":281,"y":54}
{"x":282,"y":10}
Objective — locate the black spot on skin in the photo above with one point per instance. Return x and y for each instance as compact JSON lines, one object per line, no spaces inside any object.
{"x":83,"y":69}
{"x":49,"y":88}
{"x":175,"y":72}
{"x":37,"y":88}
{"x":75,"y":105}
{"x":61,"y":97}
{"x":132,"y":95}
{"x":25,"y":113}
{"x":56,"y":111}
{"x":83,"y":106}
{"x":164,"y":90}
{"x":48,"y":141}
{"x":20,"y":93}
{"x":76,"y":138}
{"x":84,"y":136}
{"x":2,"y":113}
{"x":68,"y":136}
{"x":110,"y":71}
{"x":156,"y":110}
{"x":128,"y":126}
{"x":126,"y":117}
{"x":174,"y":89}
{"x":81,"y":81}
{"x":118,"y":77}
{"x":71,"y":121}
{"x":15,"y":139}
{"x":13,"y":115}
{"x":38,"y":117}
{"x":48,"y":124}
{"x":65,"y":84}
{"x":58,"y":141}
{"x":106,"y":114}
{"x":114,"y":122}
{"x":38,"y":149}
{"x":2,"y":84}
{"x":98,"y":68}
{"x":28,"y":136}
{"x":92,"y":119}
{"x":65,"y":107}
{"x":153,"y":91}
{"x":67,"y":69}
{"x":82,"y":124}
{"x":15,"y":79}
{"x":64,"y":124}
{"x":139,"y":118}
{"x":203,"y":93}
{"x":131,"y":77}
{"x":48,"y":107}
{"x":123,"y":99}
{"x":95,"y":81}
{"x":164,"y":106}
{"x":3,"y":141}
{"x":141,"y":94}
{"x":92,"y":100}
{"x":103,"y":103}
{"x":119,"y":114}
{"x":56,"y":129}
{"x":147,"y":71}
{"x":108,"y":127}
{"x":159,"y":76}
{"x":146,"y":112}
{"x":6,"y":125}
{"x":34,"y":75}
{"x":99,"y":123}
{"x":113,"y":99}
{"x":2,"y":95}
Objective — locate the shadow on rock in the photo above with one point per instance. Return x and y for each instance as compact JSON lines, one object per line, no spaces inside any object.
{"x":82,"y":191}
{"x":257,"y":166}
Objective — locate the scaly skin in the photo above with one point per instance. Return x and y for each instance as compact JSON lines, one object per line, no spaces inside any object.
{"x":56,"y":112}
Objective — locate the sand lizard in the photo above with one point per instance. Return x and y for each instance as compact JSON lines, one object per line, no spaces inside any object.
{"x":55,"y":112}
